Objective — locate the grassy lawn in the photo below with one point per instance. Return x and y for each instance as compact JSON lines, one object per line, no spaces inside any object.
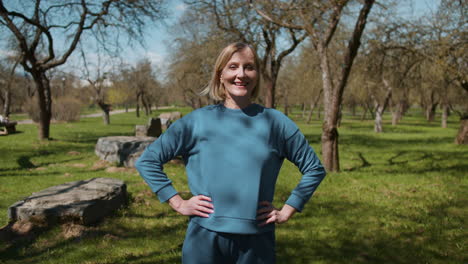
{"x":401,"y":198}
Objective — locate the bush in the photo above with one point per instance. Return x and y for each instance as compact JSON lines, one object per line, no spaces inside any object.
{"x":32,"y":108}
{"x":66,"y":109}
{"x":63,"y":109}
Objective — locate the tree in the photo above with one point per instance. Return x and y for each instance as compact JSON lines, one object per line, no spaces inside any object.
{"x":40,"y":26}
{"x":7,"y":79}
{"x":197,"y":42}
{"x":271,"y":42}
{"x":443,"y":45}
{"x":320,"y":20}
{"x":98,"y":83}
{"x":145,"y":85}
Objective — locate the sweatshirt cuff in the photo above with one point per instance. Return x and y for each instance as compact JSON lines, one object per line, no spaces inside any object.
{"x":296,"y":201}
{"x":166,"y":193}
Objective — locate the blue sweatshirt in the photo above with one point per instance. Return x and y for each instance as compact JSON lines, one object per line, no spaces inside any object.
{"x":233,"y":156}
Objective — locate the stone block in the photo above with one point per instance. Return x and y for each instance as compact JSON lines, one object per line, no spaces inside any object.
{"x":123,"y":150}
{"x":84,"y":202}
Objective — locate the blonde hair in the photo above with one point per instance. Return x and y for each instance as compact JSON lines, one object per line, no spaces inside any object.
{"x":215,"y":88}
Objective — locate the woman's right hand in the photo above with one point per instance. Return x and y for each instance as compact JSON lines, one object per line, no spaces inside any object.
{"x":199,"y":205}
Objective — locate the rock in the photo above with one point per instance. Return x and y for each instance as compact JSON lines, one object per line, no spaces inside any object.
{"x":176,"y":115}
{"x":84,"y":202}
{"x":165,"y":123}
{"x":168,"y":118}
{"x":153,"y":129}
{"x":141,"y":130}
{"x":123,"y":150}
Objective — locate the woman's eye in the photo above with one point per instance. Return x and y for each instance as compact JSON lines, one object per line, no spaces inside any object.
{"x":250,"y":67}
{"x":232,"y":67}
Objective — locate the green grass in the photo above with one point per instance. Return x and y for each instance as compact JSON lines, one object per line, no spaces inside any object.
{"x":406,"y":204}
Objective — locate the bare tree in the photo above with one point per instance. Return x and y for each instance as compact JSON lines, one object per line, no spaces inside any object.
{"x":7,"y":79}
{"x":39,"y":25}
{"x":235,"y":18}
{"x":320,"y":20}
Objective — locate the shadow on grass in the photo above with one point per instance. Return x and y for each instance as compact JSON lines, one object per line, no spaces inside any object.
{"x":355,"y":239}
{"x":111,"y":230}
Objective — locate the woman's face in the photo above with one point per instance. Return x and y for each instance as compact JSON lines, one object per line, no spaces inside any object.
{"x":240,"y":75}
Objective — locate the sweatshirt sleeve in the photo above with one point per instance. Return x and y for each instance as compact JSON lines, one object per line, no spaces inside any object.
{"x":150,"y":164}
{"x":298,"y":151}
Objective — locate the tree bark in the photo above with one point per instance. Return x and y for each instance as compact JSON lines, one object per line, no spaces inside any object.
{"x":45,"y":104}
{"x":364,"y":114}
{"x":303,"y":109}
{"x":138,"y":105}
{"x":397,"y":113}
{"x":286,"y":103}
{"x":445,"y":114}
{"x":7,"y":103}
{"x":313,"y":104}
{"x":430,"y":112}
{"x":269,"y":92}
{"x":105,"y":112}
{"x":462,"y":136}
{"x":380,"y":108}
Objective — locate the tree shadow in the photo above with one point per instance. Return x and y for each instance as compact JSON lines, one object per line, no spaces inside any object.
{"x":18,"y":251}
{"x":347,"y":244}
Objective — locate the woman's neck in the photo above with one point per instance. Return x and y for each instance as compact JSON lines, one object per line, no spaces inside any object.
{"x":237,"y":104}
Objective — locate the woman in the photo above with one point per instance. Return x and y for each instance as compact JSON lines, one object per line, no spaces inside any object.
{"x":233,"y":152}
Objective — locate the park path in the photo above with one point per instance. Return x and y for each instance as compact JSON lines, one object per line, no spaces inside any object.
{"x":113,"y":112}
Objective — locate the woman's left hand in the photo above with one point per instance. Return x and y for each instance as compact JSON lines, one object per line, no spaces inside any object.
{"x":269,"y":214}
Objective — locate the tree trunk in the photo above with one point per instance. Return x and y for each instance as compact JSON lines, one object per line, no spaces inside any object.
{"x":145,"y":105}
{"x":286,"y":104}
{"x":462,"y":136}
{"x":364,"y":114}
{"x":138,"y":105}
{"x":45,"y":104}
{"x":331,"y":104}
{"x":397,"y":113}
{"x":304,"y":106}
{"x":330,"y":147}
{"x":445,"y":114}
{"x":380,"y":108}
{"x":313,"y":105}
{"x":105,"y":112}
{"x":430,"y":112}
{"x":269,"y":92}
{"x":7,"y":103}
{"x":311,"y":110}
{"x":378,"y":121}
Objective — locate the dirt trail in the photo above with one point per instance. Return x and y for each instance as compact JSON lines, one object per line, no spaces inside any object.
{"x":29,"y":121}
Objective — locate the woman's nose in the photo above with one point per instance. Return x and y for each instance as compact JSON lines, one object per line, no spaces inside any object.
{"x":240,"y":72}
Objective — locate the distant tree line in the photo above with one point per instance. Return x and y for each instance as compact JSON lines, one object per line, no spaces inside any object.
{"x":325,"y":56}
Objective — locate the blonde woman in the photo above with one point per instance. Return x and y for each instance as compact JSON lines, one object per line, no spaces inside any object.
{"x":233,"y":152}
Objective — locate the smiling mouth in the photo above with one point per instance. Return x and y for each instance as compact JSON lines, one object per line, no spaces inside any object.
{"x":241,"y":84}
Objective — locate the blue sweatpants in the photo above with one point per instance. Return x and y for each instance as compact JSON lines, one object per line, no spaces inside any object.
{"x":203,"y":246}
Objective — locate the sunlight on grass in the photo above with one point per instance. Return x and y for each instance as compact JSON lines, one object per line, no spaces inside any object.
{"x":401,"y":197}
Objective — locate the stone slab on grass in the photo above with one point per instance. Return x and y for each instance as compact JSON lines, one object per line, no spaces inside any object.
{"x":84,"y":202}
{"x":124,"y":150}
